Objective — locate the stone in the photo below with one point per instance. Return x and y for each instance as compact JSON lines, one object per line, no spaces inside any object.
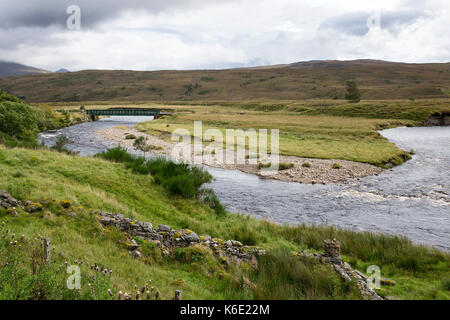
{"x":34,"y":208}
{"x":387,"y":282}
{"x":147,"y":225}
{"x":133,"y":245}
{"x":192,"y":237}
{"x":332,"y":248}
{"x":236,"y":243}
{"x":106,"y":221}
{"x":361,"y":275}
{"x":164,"y":228}
{"x":136,"y":254}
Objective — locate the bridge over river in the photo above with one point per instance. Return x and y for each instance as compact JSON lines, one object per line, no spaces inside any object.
{"x":132,"y":112}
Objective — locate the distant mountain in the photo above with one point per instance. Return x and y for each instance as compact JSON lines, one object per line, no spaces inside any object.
{"x":8,"y":69}
{"x":378,"y":80}
{"x":342,"y":64}
{"x":62,"y":70}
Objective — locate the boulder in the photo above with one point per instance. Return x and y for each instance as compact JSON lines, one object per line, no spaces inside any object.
{"x":136,"y":254}
{"x":164,"y":228}
{"x":192,"y":237}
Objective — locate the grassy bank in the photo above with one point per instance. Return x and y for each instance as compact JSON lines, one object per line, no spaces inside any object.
{"x":314,"y":133}
{"x":95,"y":183}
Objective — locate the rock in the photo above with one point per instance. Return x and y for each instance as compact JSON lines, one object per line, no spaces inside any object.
{"x":236,"y":243}
{"x":346,"y":266}
{"x":192,"y":237}
{"x":133,"y":245}
{"x":156,"y":242}
{"x":229,"y":243}
{"x":12,"y":211}
{"x":342,"y":273}
{"x":136,"y":254}
{"x":147,"y":225}
{"x":164,"y":228}
{"x":6,"y":201}
{"x":35,"y":207}
{"x":387,"y":282}
{"x":361,"y":275}
{"x":106,"y":221}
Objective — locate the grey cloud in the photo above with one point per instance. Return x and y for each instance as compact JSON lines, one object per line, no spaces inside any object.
{"x":356,"y":23}
{"x":44,"y":13}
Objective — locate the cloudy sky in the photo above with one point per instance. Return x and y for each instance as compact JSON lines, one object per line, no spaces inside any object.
{"x":198,"y":34}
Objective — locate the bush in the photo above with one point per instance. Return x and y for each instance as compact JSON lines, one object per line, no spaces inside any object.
{"x":21,"y":123}
{"x":177,"y":178}
{"x":306,"y":165}
{"x":264,"y":165}
{"x":336,"y":166}
{"x":285,"y":166}
{"x":353,"y":94}
{"x":210,"y":198}
{"x":118,"y":154}
{"x":18,"y":120}
{"x":194,"y":254}
{"x":130,"y":137}
{"x":61,"y":143}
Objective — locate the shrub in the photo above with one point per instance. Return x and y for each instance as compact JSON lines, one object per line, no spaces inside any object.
{"x":353,"y":94}
{"x":130,"y":137}
{"x":194,"y":254}
{"x":20,"y":123}
{"x":177,"y":178}
{"x":285,"y":166}
{"x":61,"y":143}
{"x":210,"y":198}
{"x":264,"y":165}
{"x":118,"y":154}
{"x":336,"y":166}
{"x":18,"y":120}
{"x":306,"y":165}
{"x":446,"y":284}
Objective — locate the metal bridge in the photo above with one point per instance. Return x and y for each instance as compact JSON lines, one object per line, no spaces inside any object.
{"x":125,"y":112}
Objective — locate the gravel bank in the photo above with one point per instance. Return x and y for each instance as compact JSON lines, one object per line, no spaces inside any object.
{"x":319,"y":170}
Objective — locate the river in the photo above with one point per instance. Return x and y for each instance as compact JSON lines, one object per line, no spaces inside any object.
{"x":412,"y":199}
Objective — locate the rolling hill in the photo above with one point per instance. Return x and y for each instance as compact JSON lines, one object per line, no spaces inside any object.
{"x":9,"y":69}
{"x":302,"y":80}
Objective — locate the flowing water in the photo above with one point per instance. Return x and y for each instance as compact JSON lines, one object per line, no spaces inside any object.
{"x":412,"y":199}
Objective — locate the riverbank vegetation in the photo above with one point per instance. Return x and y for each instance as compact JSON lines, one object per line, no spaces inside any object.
{"x":176,"y":178}
{"x":72,"y":189}
{"x":44,"y":174}
{"x":21,"y":123}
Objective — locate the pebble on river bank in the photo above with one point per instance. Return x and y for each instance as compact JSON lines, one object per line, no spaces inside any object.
{"x":320,"y":171}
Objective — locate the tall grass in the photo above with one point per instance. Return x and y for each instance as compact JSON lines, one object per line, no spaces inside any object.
{"x":179,"y":179}
{"x":279,"y":276}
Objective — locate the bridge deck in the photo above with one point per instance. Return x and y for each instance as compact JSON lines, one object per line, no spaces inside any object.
{"x":124,"y":112}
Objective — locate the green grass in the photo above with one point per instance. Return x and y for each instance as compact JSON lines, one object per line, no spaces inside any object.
{"x":106,"y":185}
{"x":301,"y":134}
{"x":177,"y":178}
